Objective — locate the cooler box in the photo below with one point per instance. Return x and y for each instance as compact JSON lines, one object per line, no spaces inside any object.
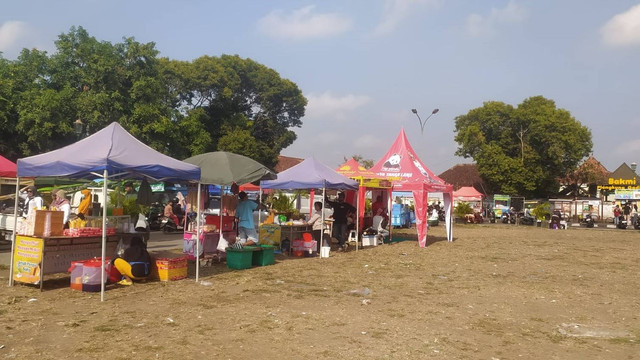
{"x":91,"y":275}
{"x":239,"y":258}
{"x":369,"y":240}
{"x":171,"y":269}
{"x":76,"y":274}
{"x":263,"y":256}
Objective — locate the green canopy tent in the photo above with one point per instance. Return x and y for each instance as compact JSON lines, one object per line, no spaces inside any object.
{"x":225,"y":168}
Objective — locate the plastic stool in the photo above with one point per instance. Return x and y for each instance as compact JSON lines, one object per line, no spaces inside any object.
{"x":353,"y":236}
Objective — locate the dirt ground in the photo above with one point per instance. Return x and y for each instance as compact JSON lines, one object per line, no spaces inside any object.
{"x":496,"y":292}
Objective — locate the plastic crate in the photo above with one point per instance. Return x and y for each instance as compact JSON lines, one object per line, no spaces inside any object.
{"x":171,"y":269}
{"x":239,"y":258}
{"x":263,"y":256}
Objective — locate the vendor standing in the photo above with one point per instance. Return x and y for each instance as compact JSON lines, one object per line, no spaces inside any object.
{"x":32,"y":200}
{"x":244,"y":214}
{"x":340,"y":212}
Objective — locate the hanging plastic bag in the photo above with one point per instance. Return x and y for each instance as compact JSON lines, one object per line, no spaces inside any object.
{"x":222,"y":245}
{"x":141,"y":224}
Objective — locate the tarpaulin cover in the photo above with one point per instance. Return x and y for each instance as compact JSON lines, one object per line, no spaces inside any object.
{"x":310,"y":174}
{"x":7,"y":167}
{"x":112,"y":149}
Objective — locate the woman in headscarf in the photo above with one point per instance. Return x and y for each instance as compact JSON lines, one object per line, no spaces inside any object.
{"x":85,"y":204}
{"x":32,"y":200}
{"x":64,"y":206}
{"x":135,"y":263}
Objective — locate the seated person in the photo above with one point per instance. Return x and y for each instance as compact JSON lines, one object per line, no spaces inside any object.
{"x":135,"y":263}
{"x":168,"y":212}
{"x":379,"y":224}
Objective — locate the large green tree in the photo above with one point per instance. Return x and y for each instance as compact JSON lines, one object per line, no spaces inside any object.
{"x":522,"y":150}
{"x":180,"y":108}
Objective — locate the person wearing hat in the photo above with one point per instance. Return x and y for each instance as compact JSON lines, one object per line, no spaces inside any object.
{"x":244,"y":215}
{"x":32,"y":200}
{"x":129,"y":190}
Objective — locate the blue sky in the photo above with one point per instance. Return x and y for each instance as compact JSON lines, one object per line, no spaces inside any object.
{"x":364,"y":64}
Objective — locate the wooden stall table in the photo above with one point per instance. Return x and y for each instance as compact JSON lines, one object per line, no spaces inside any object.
{"x":35,"y":257}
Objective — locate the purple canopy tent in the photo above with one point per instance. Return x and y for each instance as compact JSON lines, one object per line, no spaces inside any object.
{"x":310,"y":174}
{"x":109,"y":153}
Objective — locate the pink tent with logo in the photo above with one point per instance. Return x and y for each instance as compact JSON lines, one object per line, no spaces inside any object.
{"x":467,"y":193}
{"x":407,"y":172}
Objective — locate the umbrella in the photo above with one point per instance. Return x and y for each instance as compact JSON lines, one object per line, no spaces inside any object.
{"x":225,"y":168}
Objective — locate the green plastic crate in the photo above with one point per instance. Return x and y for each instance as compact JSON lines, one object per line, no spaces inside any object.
{"x":263,"y":256}
{"x":239,"y":258}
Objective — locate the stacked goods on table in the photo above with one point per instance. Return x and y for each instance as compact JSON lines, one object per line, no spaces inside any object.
{"x":78,"y":228}
{"x":87,"y":231}
{"x":304,"y":247}
{"x":41,"y":223}
{"x":171,"y":269}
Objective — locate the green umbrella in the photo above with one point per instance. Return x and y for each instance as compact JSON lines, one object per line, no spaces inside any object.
{"x":225,"y":168}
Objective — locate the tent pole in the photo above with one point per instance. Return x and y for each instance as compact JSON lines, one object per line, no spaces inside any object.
{"x":357,"y":216}
{"x":198,"y":234}
{"x":390,"y":212}
{"x":259,"y":211}
{"x":324,"y":186}
{"x":15,"y":231}
{"x":104,"y":232}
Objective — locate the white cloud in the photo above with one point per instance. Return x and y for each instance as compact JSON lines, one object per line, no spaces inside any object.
{"x":395,"y":11}
{"x":303,"y":24}
{"x":326,"y":105}
{"x":479,"y":25}
{"x":367,"y":141}
{"x":627,"y":147}
{"x":11,"y":33}
{"x":623,"y":29}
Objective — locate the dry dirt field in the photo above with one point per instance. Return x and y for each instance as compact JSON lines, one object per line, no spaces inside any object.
{"x":496,"y":292}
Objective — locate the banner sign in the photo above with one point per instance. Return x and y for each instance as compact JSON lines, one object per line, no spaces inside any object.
{"x":27,"y":259}
{"x":270,"y":234}
{"x":627,"y":194}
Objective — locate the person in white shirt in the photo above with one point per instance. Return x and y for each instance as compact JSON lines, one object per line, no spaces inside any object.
{"x":63,"y":205}
{"x":378,"y":225}
{"x":32,"y":200}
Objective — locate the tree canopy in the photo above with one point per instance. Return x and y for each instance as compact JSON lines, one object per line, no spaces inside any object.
{"x":523,"y":150}
{"x":181,"y":108}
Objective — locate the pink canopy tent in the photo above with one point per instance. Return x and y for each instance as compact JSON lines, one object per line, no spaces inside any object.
{"x":7,"y":167}
{"x":467,"y":193}
{"x":407,"y":172}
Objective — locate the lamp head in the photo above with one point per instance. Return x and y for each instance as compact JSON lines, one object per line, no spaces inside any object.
{"x":435,"y":111}
{"x":414,"y":111}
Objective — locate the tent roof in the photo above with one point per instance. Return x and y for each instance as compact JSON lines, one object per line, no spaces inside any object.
{"x":467,"y":192}
{"x":354,"y":170}
{"x":401,"y":165}
{"x":225,"y":168}
{"x":310,"y":174}
{"x":7,"y":167}
{"x":112,"y":149}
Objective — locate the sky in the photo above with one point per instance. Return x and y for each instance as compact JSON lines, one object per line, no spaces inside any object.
{"x":364,"y":64}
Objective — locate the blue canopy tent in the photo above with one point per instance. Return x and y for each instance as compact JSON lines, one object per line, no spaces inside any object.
{"x":110,"y":153}
{"x":310,"y":174}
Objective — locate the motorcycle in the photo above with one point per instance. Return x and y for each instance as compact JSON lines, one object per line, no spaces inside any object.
{"x":492,"y":217}
{"x":526,"y":219}
{"x":622,"y":222}
{"x":636,"y":223}
{"x":588,"y":221}
{"x":168,"y":225}
{"x":154,"y":215}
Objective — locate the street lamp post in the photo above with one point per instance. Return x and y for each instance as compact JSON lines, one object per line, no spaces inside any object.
{"x":78,"y":126}
{"x":435,"y":111}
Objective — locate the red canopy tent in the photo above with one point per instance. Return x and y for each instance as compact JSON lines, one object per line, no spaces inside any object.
{"x":467,"y":193}
{"x":407,"y":172}
{"x":7,"y":167}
